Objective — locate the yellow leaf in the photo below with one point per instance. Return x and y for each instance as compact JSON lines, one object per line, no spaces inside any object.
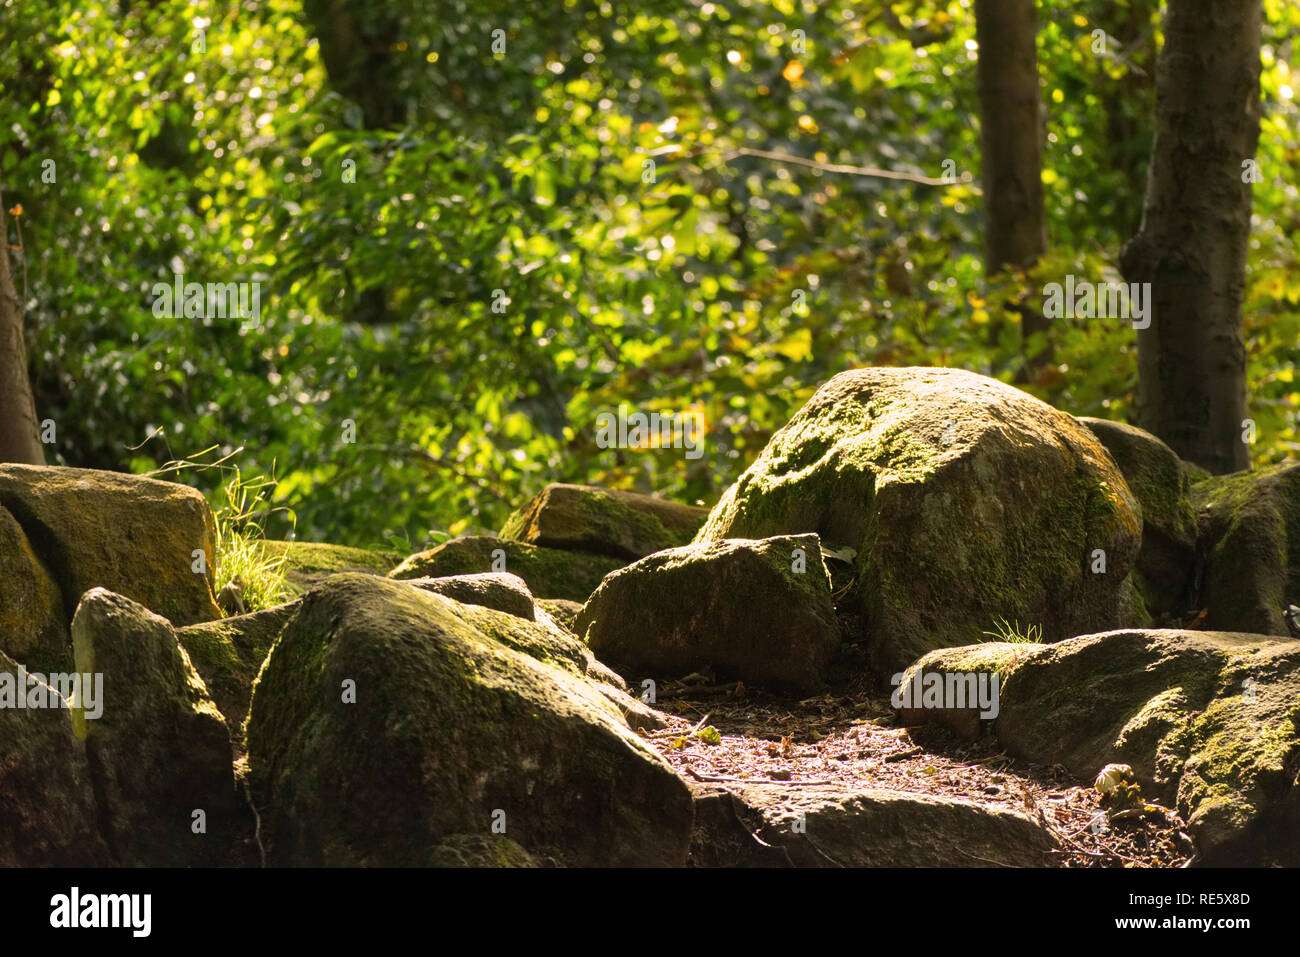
{"x":797,"y":347}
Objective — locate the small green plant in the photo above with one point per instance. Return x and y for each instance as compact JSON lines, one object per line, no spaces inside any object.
{"x":241,"y":509}
{"x":1007,"y":631}
{"x":240,"y":533}
{"x":709,"y":735}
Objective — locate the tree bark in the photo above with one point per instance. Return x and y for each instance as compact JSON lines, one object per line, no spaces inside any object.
{"x":1192,"y":242}
{"x":1011,"y":146}
{"x":19,"y":432}
{"x":356,"y":46}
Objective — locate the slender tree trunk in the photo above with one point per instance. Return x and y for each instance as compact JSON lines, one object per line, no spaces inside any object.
{"x":1191,"y":245}
{"x":1011,"y":145}
{"x":19,"y":434}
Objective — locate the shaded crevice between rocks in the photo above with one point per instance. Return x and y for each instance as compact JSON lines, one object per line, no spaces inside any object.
{"x":45,"y":546}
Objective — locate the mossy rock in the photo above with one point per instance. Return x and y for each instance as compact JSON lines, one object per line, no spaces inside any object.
{"x":1157,"y":477}
{"x":737,"y":606}
{"x":586,"y":518}
{"x":480,"y":850}
{"x":499,"y":590}
{"x":963,"y":500}
{"x":1250,"y":539}
{"x":47,"y":806}
{"x":451,"y":731}
{"x":33,"y":626}
{"x":1209,"y":721}
{"x":160,"y":750}
{"x":229,"y":653}
{"x":564,"y":612}
{"x":549,"y":572}
{"x":963,"y":675}
{"x":138,"y":537}
{"x":306,"y":563}
{"x":826,"y":826}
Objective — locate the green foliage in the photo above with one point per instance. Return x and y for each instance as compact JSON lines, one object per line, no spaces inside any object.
{"x":1007,"y":631}
{"x":240,"y":516}
{"x":728,"y":283}
{"x":709,"y":735}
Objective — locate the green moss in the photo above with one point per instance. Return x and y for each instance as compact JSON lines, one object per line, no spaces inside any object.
{"x":308,"y":562}
{"x":449,"y":724}
{"x":549,"y":572}
{"x":480,"y":850}
{"x":228,"y":654}
{"x":1251,"y":523}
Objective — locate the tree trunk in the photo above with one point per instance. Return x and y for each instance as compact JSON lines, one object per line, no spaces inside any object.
{"x":1191,"y":245}
{"x":1011,"y":145}
{"x":19,"y":432}
{"x":357,"y":42}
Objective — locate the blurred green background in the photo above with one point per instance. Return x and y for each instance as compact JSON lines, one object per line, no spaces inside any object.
{"x":595,"y":179}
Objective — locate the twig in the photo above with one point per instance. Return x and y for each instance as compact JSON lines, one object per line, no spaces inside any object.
{"x":840,"y":167}
{"x":257,"y":830}
{"x":902,"y":755}
{"x":722,"y":778}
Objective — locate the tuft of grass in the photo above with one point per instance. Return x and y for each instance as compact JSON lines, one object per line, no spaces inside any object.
{"x":241,"y":509}
{"x":245,"y":502}
{"x":1008,"y":631}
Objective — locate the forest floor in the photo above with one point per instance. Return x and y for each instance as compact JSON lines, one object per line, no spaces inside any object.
{"x":849,"y":739}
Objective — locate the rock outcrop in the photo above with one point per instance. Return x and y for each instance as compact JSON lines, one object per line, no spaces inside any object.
{"x":64,"y":531}
{"x":160,"y":753}
{"x":586,"y":518}
{"x":387,"y":720}
{"x":549,"y":572}
{"x":1250,"y":540}
{"x":963,"y":500}
{"x":1209,"y":722}
{"x":759,"y":611}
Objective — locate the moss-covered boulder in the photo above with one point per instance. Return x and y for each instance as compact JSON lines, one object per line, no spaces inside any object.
{"x":136,"y":536}
{"x":499,"y":590}
{"x":759,"y":611}
{"x":33,"y":626}
{"x":388,"y":719}
{"x":961,"y":498}
{"x":549,"y":572}
{"x":229,"y":653}
{"x":828,"y":826}
{"x":160,"y":751}
{"x":1250,"y":540}
{"x":480,"y":850}
{"x":47,"y":808}
{"x":1209,"y":722}
{"x":957,"y":688}
{"x":1157,"y":477}
{"x":306,"y":563}
{"x":586,"y":518}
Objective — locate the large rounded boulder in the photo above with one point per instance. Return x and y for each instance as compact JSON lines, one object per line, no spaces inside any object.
{"x":961,"y":499}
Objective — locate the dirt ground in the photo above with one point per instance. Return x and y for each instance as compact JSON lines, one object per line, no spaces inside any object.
{"x":850,"y":739}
